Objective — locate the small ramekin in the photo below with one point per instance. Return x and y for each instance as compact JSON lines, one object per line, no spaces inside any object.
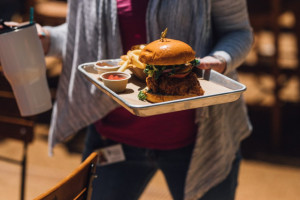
{"x":106,"y":66}
{"x":115,"y":85}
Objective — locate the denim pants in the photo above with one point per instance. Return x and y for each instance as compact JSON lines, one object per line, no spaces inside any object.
{"x":127,"y":180}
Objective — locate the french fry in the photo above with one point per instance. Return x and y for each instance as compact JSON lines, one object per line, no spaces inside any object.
{"x":139,"y":46}
{"x":124,"y":57}
{"x":137,"y":52}
{"x":135,"y":61}
{"x":122,"y":62}
{"x":131,"y":61}
{"x":124,"y":66}
{"x":142,"y":46}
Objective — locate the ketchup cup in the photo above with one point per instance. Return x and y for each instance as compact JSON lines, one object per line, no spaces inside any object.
{"x":116,"y":81}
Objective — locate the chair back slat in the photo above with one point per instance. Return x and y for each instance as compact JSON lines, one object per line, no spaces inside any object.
{"x":76,"y":185}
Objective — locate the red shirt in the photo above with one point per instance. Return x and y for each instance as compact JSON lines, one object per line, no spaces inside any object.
{"x":132,"y":15}
{"x":165,"y":131}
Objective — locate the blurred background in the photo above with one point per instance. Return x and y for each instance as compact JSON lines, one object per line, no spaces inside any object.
{"x":271,"y":72}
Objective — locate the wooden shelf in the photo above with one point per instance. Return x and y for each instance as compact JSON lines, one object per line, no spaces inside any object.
{"x":265,"y":16}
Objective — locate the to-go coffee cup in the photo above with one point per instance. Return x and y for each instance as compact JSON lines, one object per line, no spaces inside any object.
{"x":23,"y":63}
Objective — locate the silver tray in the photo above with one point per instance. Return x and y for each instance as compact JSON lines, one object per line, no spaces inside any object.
{"x":218,"y":89}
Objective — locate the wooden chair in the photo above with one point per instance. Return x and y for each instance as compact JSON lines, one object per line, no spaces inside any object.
{"x":77,"y":185}
{"x":48,"y":12}
{"x":14,"y":126}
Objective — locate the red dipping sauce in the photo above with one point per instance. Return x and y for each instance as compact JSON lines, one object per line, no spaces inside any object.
{"x":115,"y":77}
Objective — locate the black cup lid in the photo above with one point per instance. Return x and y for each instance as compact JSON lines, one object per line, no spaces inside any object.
{"x":7,"y":29}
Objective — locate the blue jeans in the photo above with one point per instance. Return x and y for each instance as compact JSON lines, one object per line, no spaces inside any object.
{"x":127,"y":180}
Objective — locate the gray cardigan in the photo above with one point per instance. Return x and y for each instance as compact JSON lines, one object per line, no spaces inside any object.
{"x":210,"y":26}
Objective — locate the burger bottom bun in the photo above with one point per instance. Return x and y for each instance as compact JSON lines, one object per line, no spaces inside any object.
{"x":157,"y":98}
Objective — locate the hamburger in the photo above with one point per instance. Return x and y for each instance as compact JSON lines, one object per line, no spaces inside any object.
{"x":169,"y":69}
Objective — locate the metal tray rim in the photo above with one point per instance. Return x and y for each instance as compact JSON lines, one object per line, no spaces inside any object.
{"x":116,"y":97}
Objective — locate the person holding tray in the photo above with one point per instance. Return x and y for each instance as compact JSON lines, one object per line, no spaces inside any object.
{"x":197,"y":150}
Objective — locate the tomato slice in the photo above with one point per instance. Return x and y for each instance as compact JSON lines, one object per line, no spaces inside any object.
{"x":179,"y":75}
{"x":182,"y":72}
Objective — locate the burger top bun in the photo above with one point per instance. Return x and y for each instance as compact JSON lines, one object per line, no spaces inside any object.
{"x":167,"y":52}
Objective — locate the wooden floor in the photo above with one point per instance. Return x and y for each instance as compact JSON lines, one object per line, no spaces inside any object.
{"x":258,"y":180}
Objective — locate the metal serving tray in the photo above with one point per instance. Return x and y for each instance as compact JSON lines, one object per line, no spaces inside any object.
{"x":218,"y":89}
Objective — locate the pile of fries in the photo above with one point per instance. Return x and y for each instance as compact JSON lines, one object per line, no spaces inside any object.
{"x":131,"y":61}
